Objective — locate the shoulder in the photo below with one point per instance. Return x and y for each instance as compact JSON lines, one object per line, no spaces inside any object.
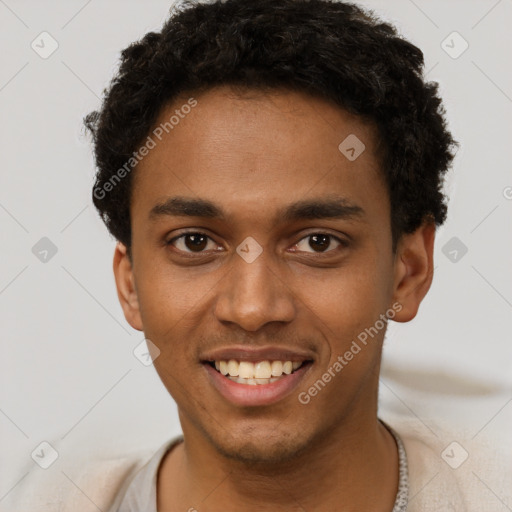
{"x":78,"y":481}
{"x":138,"y":490}
{"x":445,"y":467}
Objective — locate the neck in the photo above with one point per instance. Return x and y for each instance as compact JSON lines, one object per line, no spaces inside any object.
{"x":355,"y":465}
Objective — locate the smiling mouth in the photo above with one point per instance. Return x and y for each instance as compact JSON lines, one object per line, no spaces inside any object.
{"x":256,"y":372}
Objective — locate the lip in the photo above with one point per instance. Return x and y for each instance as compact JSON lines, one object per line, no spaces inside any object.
{"x":245,"y":353}
{"x":246,"y":395}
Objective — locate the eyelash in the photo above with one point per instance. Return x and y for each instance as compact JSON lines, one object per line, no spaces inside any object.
{"x":343,"y":243}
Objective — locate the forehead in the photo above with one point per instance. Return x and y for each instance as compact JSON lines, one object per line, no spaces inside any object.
{"x":256,"y":151}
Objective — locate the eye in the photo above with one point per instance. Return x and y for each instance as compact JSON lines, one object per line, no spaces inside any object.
{"x":197,"y":242}
{"x":319,"y":242}
{"x":192,"y":242}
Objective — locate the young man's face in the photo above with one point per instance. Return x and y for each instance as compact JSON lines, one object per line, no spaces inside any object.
{"x":304,"y":298}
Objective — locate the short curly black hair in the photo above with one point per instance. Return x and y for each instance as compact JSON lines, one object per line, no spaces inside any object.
{"x":326,"y":48}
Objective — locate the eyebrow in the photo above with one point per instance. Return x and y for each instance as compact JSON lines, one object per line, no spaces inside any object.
{"x":330,"y":207}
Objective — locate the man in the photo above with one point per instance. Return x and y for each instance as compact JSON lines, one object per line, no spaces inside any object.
{"x":273,"y":174}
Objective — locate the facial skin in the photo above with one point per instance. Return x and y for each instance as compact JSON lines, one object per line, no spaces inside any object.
{"x":253,"y":156}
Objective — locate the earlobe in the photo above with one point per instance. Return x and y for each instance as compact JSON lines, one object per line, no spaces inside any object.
{"x":414,"y":270}
{"x":125,"y":284}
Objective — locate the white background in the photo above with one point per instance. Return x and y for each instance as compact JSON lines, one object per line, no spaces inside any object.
{"x":68,"y":374}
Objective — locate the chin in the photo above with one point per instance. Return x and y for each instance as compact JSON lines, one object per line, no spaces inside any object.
{"x":254,"y":446}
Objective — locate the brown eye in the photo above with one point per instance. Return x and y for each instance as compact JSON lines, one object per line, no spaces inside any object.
{"x":318,"y":242}
{"x":190,"y":242}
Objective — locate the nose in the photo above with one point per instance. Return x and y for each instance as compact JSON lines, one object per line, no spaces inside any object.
{"x":254,"y":294}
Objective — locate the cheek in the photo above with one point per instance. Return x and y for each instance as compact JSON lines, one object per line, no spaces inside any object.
{"x":174,"y":305}
{"x":167,"y":295}
{"x":346,"y":313}
{"x":348,"y":302}
{"x":347,"y":296}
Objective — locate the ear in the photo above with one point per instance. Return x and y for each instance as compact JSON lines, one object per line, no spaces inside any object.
{"x":414,"y":270}
{"x":125,"y":285}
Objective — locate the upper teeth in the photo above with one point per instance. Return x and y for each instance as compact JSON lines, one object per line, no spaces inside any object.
{"x":258,"y":370}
